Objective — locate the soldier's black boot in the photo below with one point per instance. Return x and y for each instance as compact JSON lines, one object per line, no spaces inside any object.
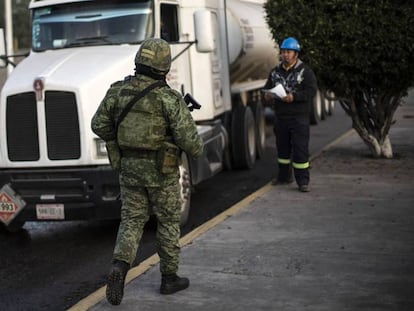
{"x":116,"y":281}
{"x":172,"y":283}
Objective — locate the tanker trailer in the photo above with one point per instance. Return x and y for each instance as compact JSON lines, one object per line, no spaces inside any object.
{"x":252,"y":53}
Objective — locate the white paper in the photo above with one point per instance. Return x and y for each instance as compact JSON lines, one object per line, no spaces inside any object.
{"x":278,"y":90}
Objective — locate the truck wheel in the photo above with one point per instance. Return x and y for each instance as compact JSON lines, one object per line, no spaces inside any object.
{"x":325,"y":106}
{"x":331,"y":104}
{"x":227,"y":160}
{"x":316,"y":110}
{"x":331,"y":107}
{"x":243,"y":137}
{"x":260,"y":128}
{"x":185,"y":189}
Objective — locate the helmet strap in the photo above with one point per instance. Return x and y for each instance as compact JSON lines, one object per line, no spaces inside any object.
{"x":148,"y":71}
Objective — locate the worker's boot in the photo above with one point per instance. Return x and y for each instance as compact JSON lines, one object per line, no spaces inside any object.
{"x":172,"y":283}
{"x":304,"y":188}
{"x":284,"y":176}
{"x":116,"y":281}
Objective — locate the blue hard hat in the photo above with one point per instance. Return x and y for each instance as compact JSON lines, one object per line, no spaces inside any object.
{"x":290,"y":44}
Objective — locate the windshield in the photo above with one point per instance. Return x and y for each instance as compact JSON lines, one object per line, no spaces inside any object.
{"x":90,"y":23}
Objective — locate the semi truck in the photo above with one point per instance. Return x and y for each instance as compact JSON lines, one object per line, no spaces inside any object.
{"x":53,"y":167}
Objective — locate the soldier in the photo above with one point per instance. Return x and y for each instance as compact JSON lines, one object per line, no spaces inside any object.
{"x":145,"y":147}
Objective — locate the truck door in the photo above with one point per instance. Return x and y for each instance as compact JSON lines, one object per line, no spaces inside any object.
{"x":179,"y":77}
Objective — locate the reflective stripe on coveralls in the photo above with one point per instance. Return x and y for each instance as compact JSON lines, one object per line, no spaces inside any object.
{"x":283,"y":161}
{"x":300,"y":165}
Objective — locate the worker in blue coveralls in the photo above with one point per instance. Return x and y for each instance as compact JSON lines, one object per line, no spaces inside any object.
{"x":292,"y":110}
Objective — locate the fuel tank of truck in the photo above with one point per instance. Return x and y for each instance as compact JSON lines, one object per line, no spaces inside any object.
{"x":252,"y":50}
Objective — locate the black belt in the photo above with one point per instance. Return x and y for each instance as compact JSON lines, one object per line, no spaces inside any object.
{"x":141,"y":154}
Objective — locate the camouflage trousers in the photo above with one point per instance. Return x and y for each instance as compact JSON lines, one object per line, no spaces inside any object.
{"x":137,"y":203}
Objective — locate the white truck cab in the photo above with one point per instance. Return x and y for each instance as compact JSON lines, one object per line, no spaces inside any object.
{"x":53,"y":167}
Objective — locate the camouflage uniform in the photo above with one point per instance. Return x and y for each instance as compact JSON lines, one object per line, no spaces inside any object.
{"x":159,"y":118}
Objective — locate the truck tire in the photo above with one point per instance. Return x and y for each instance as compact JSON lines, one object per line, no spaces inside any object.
{"x":325,"y":106}
{"x":331,"y":104}
{"x":316,"y":110}
{"x":331,"y":107}
{"x":185,"y":188}
{"x":227,"y":159}
{"x":260,"y":128}
{"x":243,"y":136}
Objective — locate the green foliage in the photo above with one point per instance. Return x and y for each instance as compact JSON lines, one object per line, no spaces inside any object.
{"x":21,"y":22}
{"x":364,"y":46}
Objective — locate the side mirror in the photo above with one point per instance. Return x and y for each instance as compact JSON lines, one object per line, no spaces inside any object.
{"x":204,"y":34}
{"x":3,"y":62}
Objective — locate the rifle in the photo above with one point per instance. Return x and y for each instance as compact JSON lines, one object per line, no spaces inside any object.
{"x":191,"y":102}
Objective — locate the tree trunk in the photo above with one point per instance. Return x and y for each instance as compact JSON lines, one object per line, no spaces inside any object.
{"x":386,"y":148}
{"x":372,"y":118}
{"x":378,"y":149}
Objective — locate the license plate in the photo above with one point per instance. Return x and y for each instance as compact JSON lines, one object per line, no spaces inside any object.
{"x":50,"y":211}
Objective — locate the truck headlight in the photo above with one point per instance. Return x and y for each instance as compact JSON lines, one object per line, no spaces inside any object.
{"x":101,"y":148}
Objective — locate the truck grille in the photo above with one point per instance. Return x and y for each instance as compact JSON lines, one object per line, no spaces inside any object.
{"x":62,"y":126}
{"x":21,"y":126}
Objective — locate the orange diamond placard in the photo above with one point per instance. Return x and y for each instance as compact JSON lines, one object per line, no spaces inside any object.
{"x":10,"y":204}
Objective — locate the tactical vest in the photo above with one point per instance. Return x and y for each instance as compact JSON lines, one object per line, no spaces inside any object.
{"x":144,"y":127}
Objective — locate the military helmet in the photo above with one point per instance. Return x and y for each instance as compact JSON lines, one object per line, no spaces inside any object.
{"x":290,"y":44}
{"x":156,"y":54}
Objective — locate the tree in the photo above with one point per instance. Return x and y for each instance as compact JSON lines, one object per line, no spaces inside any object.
{"x":21,"y":22}
{"x":362,"y":50}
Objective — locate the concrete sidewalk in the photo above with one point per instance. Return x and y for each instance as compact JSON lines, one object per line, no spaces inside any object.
{"x":346,"y":245}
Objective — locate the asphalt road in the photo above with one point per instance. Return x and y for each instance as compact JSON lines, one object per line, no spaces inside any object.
{"x":51,"y":266}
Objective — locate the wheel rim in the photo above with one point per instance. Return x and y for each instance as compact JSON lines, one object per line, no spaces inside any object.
{"x":243,"y":134}
{"x":260,"y":127}
{"x":318,"y":106}
{"x":331,"y":103}
{"x":326,"y":104}
{"x":251,"y":136}
{"x":262,"y":133}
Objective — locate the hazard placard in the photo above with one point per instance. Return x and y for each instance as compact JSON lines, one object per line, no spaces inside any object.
{"x":11,"y":204}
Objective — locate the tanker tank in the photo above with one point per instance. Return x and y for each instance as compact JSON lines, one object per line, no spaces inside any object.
{"x":252,"y":50}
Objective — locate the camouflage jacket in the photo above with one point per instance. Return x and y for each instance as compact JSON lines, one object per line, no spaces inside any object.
{"x":180,"y":127}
